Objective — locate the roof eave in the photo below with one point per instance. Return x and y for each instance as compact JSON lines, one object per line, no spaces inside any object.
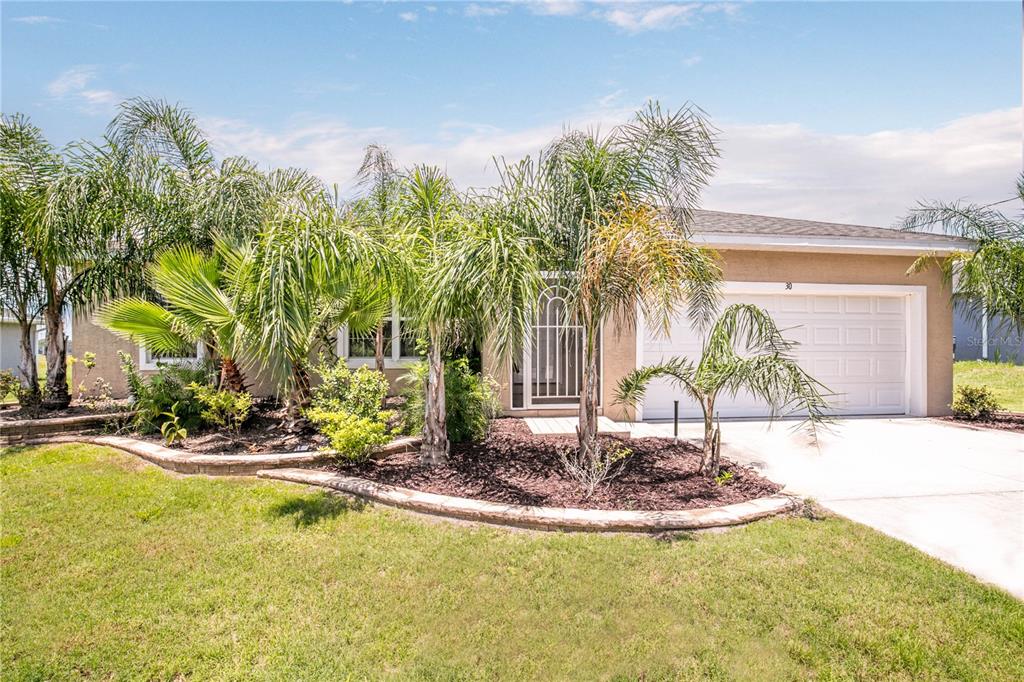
{"x":851,"y":245}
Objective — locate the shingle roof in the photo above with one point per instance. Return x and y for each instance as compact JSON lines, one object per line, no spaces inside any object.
{"x":719,"y":222}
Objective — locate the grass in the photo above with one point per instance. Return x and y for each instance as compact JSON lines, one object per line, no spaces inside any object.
{"x":1005,"y":380}
{"x":115,"y":569}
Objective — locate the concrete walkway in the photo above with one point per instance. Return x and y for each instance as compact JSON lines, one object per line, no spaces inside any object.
{"x":954,"y":492}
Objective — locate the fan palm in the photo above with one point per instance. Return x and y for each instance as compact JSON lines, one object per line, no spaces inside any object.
{"x":743,"y":351}
{"x":989,"y":280}
{"x":611,"y":211}
{"x":201,"y":305}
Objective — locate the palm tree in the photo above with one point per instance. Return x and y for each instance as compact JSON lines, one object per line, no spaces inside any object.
{"x":611,"y":211}
{"x":743,"y":351}
{"x":201,"y":305}
{"x":470,"y":274}
{"x":990,"y":279}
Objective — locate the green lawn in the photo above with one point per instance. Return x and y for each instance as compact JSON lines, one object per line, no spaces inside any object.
{"x":1005,"y":380}
{"x":117,"y":570}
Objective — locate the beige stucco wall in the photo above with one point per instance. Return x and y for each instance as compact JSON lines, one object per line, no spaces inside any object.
{"x":89,"y":337}
{"x":776,"y":266}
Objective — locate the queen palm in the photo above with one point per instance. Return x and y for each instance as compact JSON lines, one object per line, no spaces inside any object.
{"x":743,"y":351}
{"x":989,"y":280}
{"x":611,"y":212}
{"x":470,"y":274}
{"x":200,"y":304}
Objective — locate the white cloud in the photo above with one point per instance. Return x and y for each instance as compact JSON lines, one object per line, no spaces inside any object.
{"x":408,"y":16}
{"x":73,"y":85}
{"x":775,"y":169}
{"x":489,"y":10}
{"x":560,"y":8}
{"x":36,"y":19}
{"x":637,"y":18}
{"x":610,"y":99}
{"x":693,"y":60}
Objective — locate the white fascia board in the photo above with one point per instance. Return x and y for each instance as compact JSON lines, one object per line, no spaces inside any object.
{"x":856,"y":245}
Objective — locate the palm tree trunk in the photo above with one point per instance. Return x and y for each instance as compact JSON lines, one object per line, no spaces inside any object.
{"x":27,"y":366}
{"x":434,"y":449}
{"x":56,"y":396}
{"x":298,"y":398}
{"x":231,"y":378}
{"x":711,"y":452}
{"x":587,"y":430}
{"x":378,"y":348}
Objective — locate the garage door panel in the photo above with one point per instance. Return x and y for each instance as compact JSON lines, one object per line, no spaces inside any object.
{"x":854,"y":345}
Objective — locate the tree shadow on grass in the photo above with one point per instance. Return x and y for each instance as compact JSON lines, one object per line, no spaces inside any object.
{"x":308,"y":510}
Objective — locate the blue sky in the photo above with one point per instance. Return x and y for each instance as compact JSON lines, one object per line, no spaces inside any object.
{"x":842,"y":111}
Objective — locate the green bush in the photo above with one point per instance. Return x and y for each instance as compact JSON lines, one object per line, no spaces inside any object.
{"x":471,"y":400}
{"x":225,"y":409}
{"x":9,"y":384}
{"x":360,"y":393}
{"x":155,"y":396}
{"x":974,"y":403}
{"x":352,"y":436}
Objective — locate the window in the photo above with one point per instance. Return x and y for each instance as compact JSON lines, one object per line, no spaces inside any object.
{"x":151,"y":360}
{"x":399,"y":343}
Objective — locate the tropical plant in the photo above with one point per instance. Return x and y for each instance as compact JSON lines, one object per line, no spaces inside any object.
{"x":471,"y":400}
{"x":171,"y":428}
{"x":989,"y":279}
{"x":200,"y":297}
{"x":226,"y":409}
{"x":612,"y":213}
{"x":360,"y":392}
{"x":351,"y":436}
{"x":742,"y":351}
{"x":470,"y":274}
{"x":974,"y":403}
{"x":155,"y":395}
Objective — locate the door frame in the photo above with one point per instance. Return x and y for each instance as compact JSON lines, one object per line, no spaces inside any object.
{"x":915,"y":398}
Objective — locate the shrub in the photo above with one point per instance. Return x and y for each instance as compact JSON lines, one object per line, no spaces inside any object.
{"x":471,"y":400}
{"x":226,"y":409}
{"x":360,"y":393}
{"x":974,"y":403}
{"x":155,"y":396}
{"x":9,"y":384}
{"x":171,"y":428}
{"x":352,"y":436}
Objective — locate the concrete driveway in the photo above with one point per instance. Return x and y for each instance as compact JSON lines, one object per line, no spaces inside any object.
{"x":954,"y":492}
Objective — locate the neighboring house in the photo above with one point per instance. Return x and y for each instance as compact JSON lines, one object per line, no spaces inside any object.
{"x":882,"y":341}
{"x":10,"y":344}
{"x":990,"y":339}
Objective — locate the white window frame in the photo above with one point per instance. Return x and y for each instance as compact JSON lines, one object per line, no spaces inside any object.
{"x":148,"y":363}
{"x":392,"y":359}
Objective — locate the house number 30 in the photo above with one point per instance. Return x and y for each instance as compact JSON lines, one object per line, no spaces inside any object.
{"x":789,"y":285}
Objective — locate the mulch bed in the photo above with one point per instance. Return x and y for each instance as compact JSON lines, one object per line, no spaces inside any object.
{"x":1004,"y":421}
{"x":515,"y":466}
{"x":264,"y":432}
{"x":75,"y":409}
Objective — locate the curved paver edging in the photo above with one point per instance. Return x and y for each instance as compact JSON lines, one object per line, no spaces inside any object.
{"x":185,"y":462}
{"x":14,"y":431}
{"x":540,"y":518}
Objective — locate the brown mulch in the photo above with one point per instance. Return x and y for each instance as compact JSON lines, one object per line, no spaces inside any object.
{"x":1004,"y":421}
{"x":261,"y":433}
{"x":75,"y":409}
{"x":515,"y":466}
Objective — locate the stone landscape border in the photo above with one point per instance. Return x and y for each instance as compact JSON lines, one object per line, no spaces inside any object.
{"x":15,"y":431}
{"x":539,"y":518}
{"x":282,"y":467}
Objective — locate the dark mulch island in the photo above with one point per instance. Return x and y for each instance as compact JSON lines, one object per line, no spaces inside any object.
{"x":515,"y":466}
{"x":1005,"y":421}
{"x":264,"y":432}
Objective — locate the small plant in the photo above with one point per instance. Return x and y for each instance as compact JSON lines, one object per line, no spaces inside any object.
{"x":974,"y":403}
{"x":361,"y":392}
{"x":471,"y":401}
{"x":724,"y":478}
{"x":9,"y":384}
{"x":225,"y":409}
{"x":171,"y":429}
{"x":155,"y":395}
{"x":353,"y":437}
{"x":610,"y":462}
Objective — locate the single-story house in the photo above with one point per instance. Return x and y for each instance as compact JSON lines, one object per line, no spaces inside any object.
{"x":10,"y":343}
{"x":881,"y":340}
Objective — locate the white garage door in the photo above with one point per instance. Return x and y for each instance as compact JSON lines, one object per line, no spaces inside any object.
{"x":855,"y":345}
